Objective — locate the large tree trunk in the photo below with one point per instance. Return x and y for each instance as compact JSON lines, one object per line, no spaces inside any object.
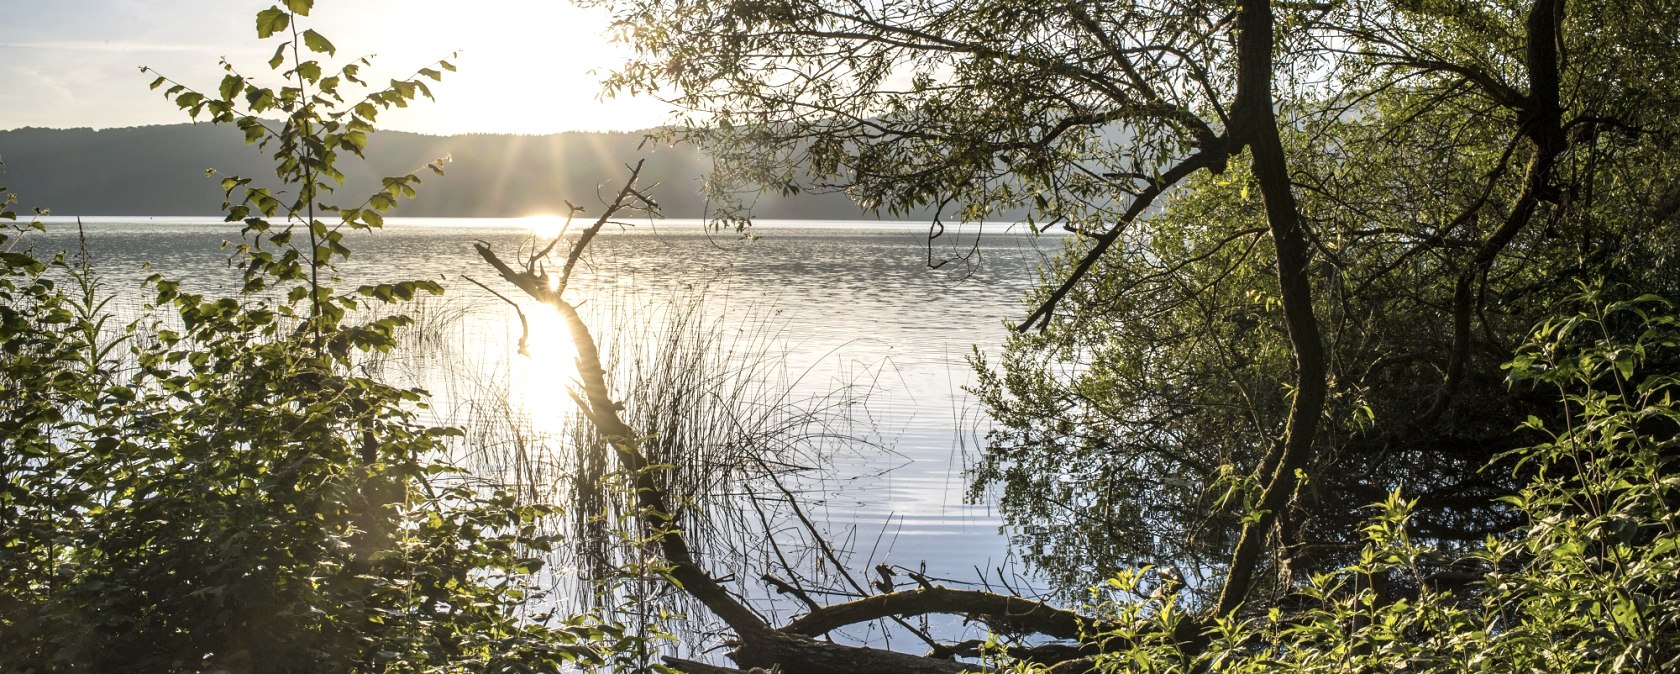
{"x":1255,"y":125}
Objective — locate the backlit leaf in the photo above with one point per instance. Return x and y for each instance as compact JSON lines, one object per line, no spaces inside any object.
{"x":316,"y":43}
{"x":272,"y":20}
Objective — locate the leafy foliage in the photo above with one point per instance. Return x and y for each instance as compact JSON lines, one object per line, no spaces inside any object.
{"x":1131,"y":425}
{"x":1589,"y":581}
{"x":216,"y":487}
{"x":1306,"y":235}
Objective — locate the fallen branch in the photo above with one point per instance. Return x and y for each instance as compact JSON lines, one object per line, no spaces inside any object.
{"x":792,"y":648}
{"x":1018,"y":615}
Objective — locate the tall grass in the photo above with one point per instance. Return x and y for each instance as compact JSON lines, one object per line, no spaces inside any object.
{"x":710,"y":382}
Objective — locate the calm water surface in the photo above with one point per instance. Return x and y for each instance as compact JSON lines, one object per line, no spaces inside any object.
{"x":836,"y":304}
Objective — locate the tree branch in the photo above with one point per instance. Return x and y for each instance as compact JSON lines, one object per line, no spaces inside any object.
{"x":1017,"y":614}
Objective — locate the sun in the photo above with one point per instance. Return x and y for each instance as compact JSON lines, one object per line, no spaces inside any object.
{"x":524,"y":66}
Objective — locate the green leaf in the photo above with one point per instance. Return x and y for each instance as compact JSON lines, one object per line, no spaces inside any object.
{"x":231,"y":86}
{"x":254,"y":132}
{"x":355,"y":141}
{"x":316,"y":43}
{"x":273,"y":20}
{"x":300,"y":7}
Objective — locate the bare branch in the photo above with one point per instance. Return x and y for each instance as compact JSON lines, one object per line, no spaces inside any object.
{"x":1014,"y":614}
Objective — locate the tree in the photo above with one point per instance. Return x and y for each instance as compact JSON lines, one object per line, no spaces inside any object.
{"x":1585,"y":583}
{"x":1416,"y":401}
{"x":1429,"y":176}
{"x":986,"y":124}
{"x":666,"y":526}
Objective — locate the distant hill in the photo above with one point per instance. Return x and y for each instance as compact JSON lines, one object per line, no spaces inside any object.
{"x":159,"y":170}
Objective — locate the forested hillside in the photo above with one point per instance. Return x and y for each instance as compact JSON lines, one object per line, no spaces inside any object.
{"x":160,"y":170}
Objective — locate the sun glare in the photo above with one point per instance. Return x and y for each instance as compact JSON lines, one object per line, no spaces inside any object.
{"x":553,"y":356}
{"x":540,"y":378}
{"x":544,"y":227}
{"x":526,"y":66}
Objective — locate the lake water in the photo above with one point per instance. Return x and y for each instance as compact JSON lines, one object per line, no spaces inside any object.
{"x":818,"y":307}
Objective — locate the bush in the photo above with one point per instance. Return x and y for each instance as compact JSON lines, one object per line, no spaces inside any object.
{"x":214,"y":487}
{"x":1590,"y":584}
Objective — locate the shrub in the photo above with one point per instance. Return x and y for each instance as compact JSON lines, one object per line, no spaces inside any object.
{"x":215,"y":487}
{"x":1590,"y":584}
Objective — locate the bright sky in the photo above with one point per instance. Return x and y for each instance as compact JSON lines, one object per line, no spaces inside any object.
{"x":526,"y":66}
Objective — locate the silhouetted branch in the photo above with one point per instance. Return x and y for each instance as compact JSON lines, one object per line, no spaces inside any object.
{"x":792,"y":647}
{"x":1013,"y":614}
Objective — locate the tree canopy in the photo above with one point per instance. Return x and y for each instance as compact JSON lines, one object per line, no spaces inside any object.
{"x":1310,"y":234}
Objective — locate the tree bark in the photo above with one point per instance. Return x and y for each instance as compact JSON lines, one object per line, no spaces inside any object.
{"x":1541,"y":111}
{"x":1256,"y":126}
{"x":1022,"y":615}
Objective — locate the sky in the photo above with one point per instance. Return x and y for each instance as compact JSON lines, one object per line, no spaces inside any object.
{"x":525,"y":66}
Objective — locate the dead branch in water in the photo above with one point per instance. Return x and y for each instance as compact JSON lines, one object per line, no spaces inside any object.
{"x":792,"y":647}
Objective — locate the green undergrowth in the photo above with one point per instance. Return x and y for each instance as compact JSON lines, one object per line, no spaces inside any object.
{"x":1589,"y":583}
{"x":218,"y":486}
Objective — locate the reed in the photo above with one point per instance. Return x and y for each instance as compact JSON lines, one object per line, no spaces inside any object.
{"x":709,"y":381}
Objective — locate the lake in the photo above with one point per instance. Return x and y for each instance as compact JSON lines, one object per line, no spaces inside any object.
{"x":844,"y":320}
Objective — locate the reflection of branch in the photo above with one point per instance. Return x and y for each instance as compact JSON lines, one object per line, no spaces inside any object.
{"x":822,"y":542}
{"x":784,"y":587}
{"x":828,"y":551}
